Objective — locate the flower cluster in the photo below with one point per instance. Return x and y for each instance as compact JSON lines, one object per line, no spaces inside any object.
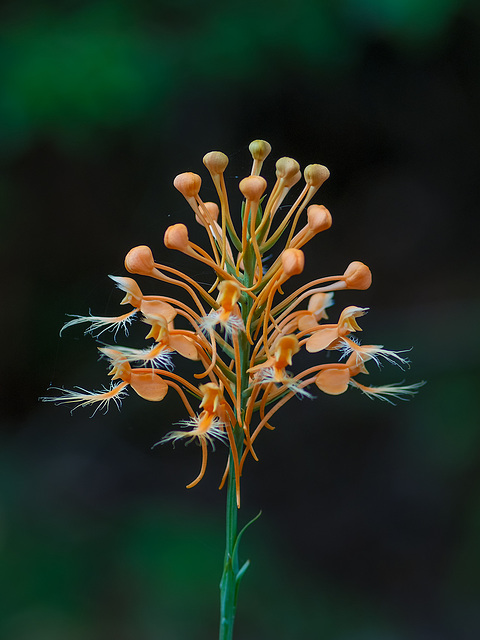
{"x":243,"y":332}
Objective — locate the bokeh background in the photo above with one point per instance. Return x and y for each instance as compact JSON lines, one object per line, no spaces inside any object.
{"x":371,"y":512}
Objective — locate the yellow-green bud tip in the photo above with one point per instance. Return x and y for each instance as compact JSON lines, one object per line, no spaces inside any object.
{"x":259,"y":149}
{"x":316,"y":174}
{"x":287,"y":168}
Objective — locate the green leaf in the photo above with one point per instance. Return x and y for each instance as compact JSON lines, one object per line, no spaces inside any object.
{"x":237,"y":540}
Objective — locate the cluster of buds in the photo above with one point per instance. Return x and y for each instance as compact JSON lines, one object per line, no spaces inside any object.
{"x":243,"y":332}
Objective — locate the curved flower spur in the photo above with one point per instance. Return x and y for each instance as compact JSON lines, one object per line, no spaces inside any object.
{"x":246,"y":336}
{"x":243,"y":333}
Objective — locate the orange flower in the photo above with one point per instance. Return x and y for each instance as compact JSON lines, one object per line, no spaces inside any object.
{"x":336,"y":379}
{"x":145,"y":382}
{"x":326,"y":336}
{"x":228,"y":313}
{"x":273,"y":369}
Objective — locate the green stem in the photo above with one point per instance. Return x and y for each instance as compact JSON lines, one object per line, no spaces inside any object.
{"x":228,"y":583}
{"x":232,"y":573}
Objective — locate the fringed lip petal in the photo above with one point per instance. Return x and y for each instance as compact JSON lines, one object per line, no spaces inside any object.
{"x":100,"y":324}
{"x":399,"y":391}
{"x":84,"y":398}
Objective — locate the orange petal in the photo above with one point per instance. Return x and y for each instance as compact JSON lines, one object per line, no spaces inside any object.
{"x":333,"y":381}
{"x":291,"y":326}
{"x":307,"y":321}
{"x":149,"y":386}
{"x":184,"y":346}
{"x":158,"y":308}
{"x":268,"y":363}
{"x":321,"y":339}
{"x":320,"y":301}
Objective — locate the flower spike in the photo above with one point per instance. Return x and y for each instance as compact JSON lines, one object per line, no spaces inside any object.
{"x":245,"y":344}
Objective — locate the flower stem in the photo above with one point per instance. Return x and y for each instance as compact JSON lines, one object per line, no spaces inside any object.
{"x":232,"y":573}
{"x":228,"y":583}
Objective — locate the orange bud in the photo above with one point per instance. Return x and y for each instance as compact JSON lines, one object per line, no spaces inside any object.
{"x":293,"y":261}
{"x":176,"y":237}
{"x":259,"y":149}
{"x":213,"y":210}
{"x":316,"y":174}
{"x":253,"y":187}
{"x":319,"y":218}
{"x":140,"y":260}
{"x":287,"y":168}
{"x":357,"y":276}
{"x":216,"y":162}
{"x":188,"y":184}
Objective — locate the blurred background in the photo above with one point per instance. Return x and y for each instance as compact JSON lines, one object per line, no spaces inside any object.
{"x":371,"y":512}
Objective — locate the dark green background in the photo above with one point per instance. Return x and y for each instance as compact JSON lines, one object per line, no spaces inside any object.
{"x":371,"y":513}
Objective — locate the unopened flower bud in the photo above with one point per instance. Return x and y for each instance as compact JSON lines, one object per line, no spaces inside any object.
{"x":176,"y":237}
{"x":253,"y":187}
{"x":357,"y":276}
{"x":293,"y":261}
{"x":216,"y":162}
{"x":188,"y":184}
{"x":315,"y":175}
{"x":140,"y":260}
{"x":213,"y":210}
{"x":287,"y":168}
{"x":292,"y":179}
{"x":319,"y":218}
{"x":259,"y":149}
